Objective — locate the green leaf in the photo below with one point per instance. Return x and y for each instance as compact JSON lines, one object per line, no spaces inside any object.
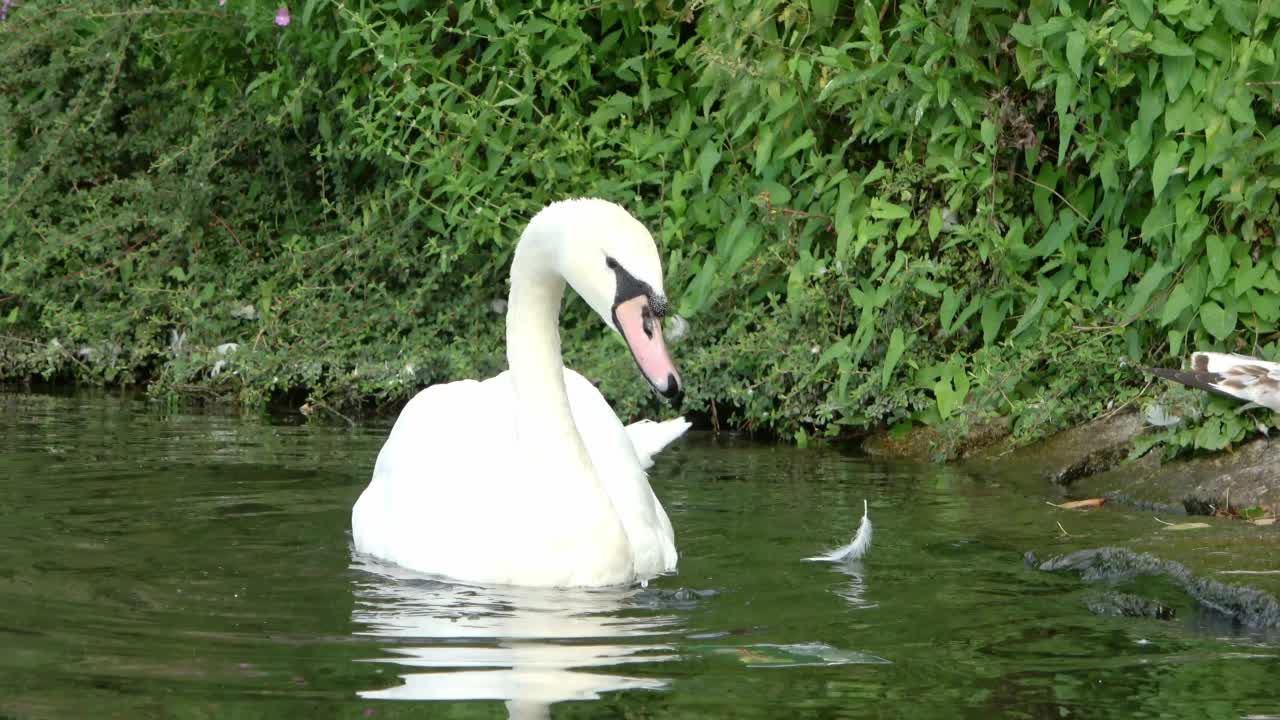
{"x":885,"y":210}
{"x":994,"y":312}
{"x":1216,"y":320}
{"x":951,"y":389}
{"x":1032,"y":313}
{"x":1075,"y":51}
{"x":1137,"y":144}
{"x":1177,"y":72}
{"x":1218,"y":248}
{"x":1166,"y":161}
{"x":962,"y":22}
{"x":1145,"y":288}
{"x":1055,"y":235}
{"x":1139,"y":12}
{"x":988,"y":133}
{"x":824,"y":12}
{"x":1236,"y":14}
{"x":950,"y":304}
{"x":1025,"y":35}
{"x":707,"y":161}
{"x":1165,"y":42}
{"x":935,"y":223}
{"x":897,"y":344}
{"x":560,"y":56}
{"x":1178,"y":301}
{"x":764,"y":150}
{"x":801,"y":143}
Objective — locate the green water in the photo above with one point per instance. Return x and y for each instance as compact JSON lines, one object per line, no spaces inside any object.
{"x":162,"y":565}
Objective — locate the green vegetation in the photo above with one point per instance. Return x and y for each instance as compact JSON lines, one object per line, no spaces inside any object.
{"x":874,"y":214}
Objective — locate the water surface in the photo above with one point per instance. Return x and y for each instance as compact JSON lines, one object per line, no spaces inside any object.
{"x":162,"y":564}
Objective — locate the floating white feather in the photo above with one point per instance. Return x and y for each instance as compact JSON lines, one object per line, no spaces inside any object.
{"x":854,"y":550}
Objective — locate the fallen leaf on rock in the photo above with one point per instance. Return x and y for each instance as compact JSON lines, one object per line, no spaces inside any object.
{"x":1186,"y":526}
{"x":1081,"y":504}
{"x":1263,"y":521}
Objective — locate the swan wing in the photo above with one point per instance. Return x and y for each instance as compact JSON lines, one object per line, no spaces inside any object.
{"x":649,"y":438}
{"x":620,"y":463}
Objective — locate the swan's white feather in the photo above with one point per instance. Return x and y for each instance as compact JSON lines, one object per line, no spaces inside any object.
{"x":449,"y":500}
{"x":649,"y":437}
{"x":857,"y":548}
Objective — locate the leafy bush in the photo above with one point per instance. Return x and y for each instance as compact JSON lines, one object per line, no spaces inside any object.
{"x":873,"y":214}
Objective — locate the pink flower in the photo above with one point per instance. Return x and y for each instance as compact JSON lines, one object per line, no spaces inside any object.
{"x":282,"y":17}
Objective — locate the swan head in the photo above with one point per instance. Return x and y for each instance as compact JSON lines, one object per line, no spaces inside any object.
{"x":611,"y":261}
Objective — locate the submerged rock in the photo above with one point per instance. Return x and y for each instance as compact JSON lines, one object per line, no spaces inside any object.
{"x":1117,"y":604}
{"x":1246,"y":606}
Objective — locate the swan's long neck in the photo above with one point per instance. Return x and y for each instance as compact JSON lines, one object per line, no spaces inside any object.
{"x":543,"y":418}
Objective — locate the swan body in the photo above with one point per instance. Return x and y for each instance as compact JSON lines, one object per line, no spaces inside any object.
{"x":1242,"y":377}
{"x":528,"y":477}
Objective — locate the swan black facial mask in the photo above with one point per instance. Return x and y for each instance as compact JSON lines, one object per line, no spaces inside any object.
{"x":637,"y":314}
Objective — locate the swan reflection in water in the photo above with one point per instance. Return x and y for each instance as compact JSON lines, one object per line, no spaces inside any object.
{"x":529,"y":647}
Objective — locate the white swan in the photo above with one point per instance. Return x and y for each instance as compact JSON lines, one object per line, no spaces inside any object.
{"x":528,"y":478}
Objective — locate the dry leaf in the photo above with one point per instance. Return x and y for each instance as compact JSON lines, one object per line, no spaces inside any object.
{"x":1186,"y":526}
{"x":1081,"y":504}
{"x":1263,"y":521}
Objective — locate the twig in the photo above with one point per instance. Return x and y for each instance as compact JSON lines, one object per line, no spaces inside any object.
{"x":1064,"y":530}
{"x":1122,"y":405}
{"x":1162,"y":522}
{"x":1249,"y":572}
{"x":331,"y":409}
{"x":1055,"y":193}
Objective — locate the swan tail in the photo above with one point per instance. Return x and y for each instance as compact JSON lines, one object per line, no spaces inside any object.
{"x":649,"y":437}
{"x":857,"y":548}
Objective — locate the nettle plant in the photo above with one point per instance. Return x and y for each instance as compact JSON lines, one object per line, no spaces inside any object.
{"x":873,"y":213}
{"x":1026,"y":201}
{"x":1168,"y":141}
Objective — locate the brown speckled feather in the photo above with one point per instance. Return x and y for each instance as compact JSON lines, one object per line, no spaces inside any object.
{"x":1235,"y":376}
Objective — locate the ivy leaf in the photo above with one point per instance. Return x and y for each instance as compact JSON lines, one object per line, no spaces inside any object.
{"x":1165,"y":42}
{"x":1216,"y":320}
{"x":1167,"y":158}
{"x":1177,"y":71}
{"x":1075,"y":51}
{"x":1218,"y":248}
{"x":1178,"y":301}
